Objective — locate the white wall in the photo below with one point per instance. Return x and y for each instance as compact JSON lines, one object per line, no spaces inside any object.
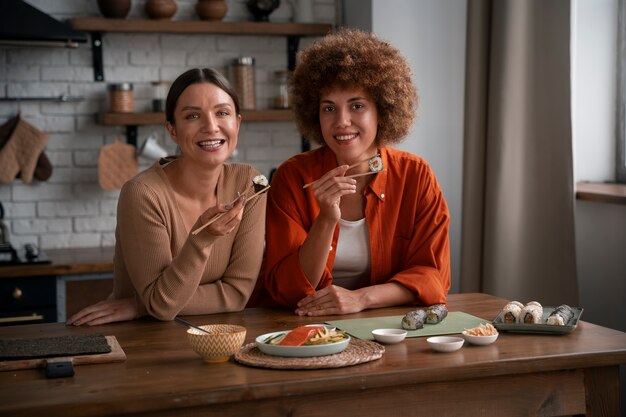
{"x":431,"y":34}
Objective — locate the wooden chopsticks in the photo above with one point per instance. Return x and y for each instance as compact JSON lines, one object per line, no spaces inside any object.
{"x":349,"y":168}
{"x":220,"y":215}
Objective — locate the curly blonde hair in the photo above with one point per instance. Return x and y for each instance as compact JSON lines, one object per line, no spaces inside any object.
{"x":352,"y":57}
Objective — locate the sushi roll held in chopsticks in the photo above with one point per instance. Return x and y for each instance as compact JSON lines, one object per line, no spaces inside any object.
{"x":259,"y":182}
{"x":560,"y":316}
{"x":531,"y":313}
{"x":375,"y":164}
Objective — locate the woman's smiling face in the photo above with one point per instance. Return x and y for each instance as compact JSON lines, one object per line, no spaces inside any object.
{"x":349,"y":123}
{"x":206,"y":124}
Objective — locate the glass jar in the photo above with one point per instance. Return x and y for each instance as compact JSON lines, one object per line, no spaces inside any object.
{"x":281,"y":98}
{"x":160,"y":90}
{"x":242,"y":76}
{"x":121,"y":98}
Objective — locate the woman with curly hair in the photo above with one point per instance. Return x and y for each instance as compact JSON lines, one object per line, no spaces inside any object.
{"x":351,"y":242}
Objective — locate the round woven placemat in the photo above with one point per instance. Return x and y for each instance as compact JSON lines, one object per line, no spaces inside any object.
{"x":358,"y":351}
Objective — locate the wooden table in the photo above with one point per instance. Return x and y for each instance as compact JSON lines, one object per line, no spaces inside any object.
{"x":520,"y":374}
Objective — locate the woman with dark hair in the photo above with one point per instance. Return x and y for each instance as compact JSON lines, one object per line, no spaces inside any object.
{"x":358,"y":237}
{"x":161,"y":268}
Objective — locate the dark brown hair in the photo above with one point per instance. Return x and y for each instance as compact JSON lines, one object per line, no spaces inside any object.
{"x":196,"y":76}
{"x":352,"y":57}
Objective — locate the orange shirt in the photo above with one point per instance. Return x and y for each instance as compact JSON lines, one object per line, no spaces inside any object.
{"x":407,"y":220}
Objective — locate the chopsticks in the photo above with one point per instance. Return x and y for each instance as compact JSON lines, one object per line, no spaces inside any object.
{"x":220,"y":215}
{"x":186,"y":323}
{"x":349,"y":168}
{"x":364,"y":173}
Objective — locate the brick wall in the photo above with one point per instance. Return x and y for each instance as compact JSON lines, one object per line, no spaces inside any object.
{"x":70,"y":209}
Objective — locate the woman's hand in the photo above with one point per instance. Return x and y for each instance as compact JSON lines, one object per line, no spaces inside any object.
{"x":106,"y":311}
{"x":329,"y":189}
{"x":230,"y":217}
{"x":331,"y":300}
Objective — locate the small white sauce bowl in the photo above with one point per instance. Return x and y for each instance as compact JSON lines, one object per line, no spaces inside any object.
{"x":389,"y":336}
{"x":480,"y":340}
{"x":445,"y":343}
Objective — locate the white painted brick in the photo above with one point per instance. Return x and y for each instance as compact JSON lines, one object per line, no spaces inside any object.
{"x":18,"y":210}
{"x":74,"y":175}
{"x":86,"y":158}
{"x":108,"y":207}
{"x":94,"y":224}
{"x":325,"y":13}
{"x":41,"y":191}
{"x":59,"y":158}
{"x":53,"y":209}
{"x":38,"y":56}
{"x":39,"y":226}
{"x":209,"y":59}
{"x":130,"y":41}
{"x":114,"y":56}
{"x":189,"y":42}
{"x":172,"y":57}
{"x":131,"y":74}
{"x":58,"y":108}
{"x":37,"y":89}
{"x":21,"y":73}
{"x":93,"y":191}
{"x":68,"y":73}
{"x":145,"y":57}
{"x":80,"y":141}
{"x":58,"y":241}
{"x":246,"y":44}
{"x":18,"y":241}
{"x":82,"y":56}
{"x":5,"y":193}
{"x":56,"y":124}
{"x":108,"y":239}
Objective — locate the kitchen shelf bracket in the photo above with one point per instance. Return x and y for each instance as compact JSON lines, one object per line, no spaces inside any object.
{"x":96,"y":56}
{"x":292,"y":51}
{"x":131,"y":135}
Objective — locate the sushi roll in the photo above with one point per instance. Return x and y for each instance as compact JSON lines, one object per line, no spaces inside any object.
{"x":259,"y":182}
{"x":436,"y":313}
{"x":510,"y":312}
{"x":375,"y":164}
{"x":561,"y":315}
{"x":531,"y":313}
{"x":414,"y":320}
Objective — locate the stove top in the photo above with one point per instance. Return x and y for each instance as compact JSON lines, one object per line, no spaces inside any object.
{"x":29,"y":254}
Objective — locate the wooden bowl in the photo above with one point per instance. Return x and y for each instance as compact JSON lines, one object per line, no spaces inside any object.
{"x":222,"y":341}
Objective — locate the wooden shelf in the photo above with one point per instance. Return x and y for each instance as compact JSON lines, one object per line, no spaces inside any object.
{"x":97,"y":24}
{"x":143,"y":119}
{"x":601,"y":192}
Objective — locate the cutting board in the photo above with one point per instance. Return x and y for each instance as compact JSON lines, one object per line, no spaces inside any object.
{"x":116,"y":355}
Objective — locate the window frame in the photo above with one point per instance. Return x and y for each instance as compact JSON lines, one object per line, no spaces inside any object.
{"x":620,"y":134}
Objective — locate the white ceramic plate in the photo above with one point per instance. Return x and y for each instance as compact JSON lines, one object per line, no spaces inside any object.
{"x":479,"y":340}
{"x":299,"y":351}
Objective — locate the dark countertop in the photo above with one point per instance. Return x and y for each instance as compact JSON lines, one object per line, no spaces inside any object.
{"x":67,"y":261}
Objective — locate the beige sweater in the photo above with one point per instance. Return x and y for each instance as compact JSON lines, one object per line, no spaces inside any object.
{"x":168,"y":270}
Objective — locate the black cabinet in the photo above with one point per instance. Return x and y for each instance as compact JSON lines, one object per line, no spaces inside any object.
{"x":28,"y":300}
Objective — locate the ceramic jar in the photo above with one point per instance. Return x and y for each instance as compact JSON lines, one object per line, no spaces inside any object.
{"x":114,"y":9}
{"x":211,"y":9}
{"x":160,"y":9}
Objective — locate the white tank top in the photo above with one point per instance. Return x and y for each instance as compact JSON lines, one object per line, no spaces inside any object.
{"x":352,"y":259}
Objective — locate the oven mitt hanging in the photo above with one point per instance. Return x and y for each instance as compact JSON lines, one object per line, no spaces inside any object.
{"x":117,"y":163}
{"x":21,"y":148}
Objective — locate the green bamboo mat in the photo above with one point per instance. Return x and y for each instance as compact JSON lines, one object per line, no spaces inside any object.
{"x":455,"y":322}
